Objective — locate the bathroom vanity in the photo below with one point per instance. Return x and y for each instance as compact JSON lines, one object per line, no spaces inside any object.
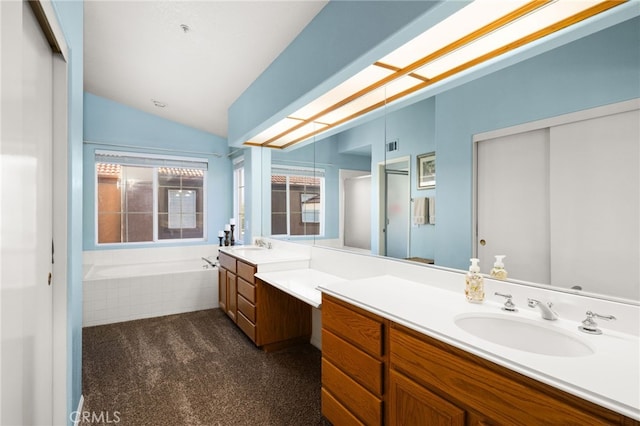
{"x":401,"y":345}
{"x":271,"y":318}
{"x":397,"y":360}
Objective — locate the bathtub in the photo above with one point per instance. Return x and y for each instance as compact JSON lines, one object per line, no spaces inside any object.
{"x":98,"y":272}
{"x":125,"y":292}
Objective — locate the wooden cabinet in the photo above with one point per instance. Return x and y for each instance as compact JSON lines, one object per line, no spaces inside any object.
{"x":271,"y":318}
{"x":227,"y":293}
{"x":378,"y":372}
{"x":433,"y":379}
{"x":412,"y":404}
{"x":353,"y":364}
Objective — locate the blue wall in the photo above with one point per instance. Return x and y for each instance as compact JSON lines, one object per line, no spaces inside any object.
{"x":70,"y":15}
{"x":71,"y":18}
{"x":600,"y":69}
{"x":108,"y":123}
{"x":414,"y":129}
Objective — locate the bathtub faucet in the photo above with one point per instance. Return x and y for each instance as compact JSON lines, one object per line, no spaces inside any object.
{"x":213,"y":265}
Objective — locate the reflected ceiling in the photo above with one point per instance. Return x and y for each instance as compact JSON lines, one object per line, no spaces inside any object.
{"x":483,"y":30}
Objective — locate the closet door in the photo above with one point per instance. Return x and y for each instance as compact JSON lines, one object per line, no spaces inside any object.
{"x":26,"y":248}
{"x":513,"y":204}
{"x":594,"y":197}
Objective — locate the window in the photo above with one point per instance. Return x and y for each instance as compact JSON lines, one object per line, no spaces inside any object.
{"x":297,"y":201}
{"x":147,"y":198}
{"x":238,"y":197}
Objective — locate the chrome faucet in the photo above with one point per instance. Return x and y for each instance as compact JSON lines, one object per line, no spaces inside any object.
{"x":263,"y":243}
{"x":545,"y":309}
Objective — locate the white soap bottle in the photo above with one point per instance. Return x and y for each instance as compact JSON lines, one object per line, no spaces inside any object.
{"x":498,"y":272}
{"x":474,"y":289}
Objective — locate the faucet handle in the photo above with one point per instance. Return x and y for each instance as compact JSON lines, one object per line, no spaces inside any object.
{"x":509,"y":306}
{"x":590,"y":326}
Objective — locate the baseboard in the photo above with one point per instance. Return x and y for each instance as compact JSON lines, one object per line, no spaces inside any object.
{"x":76,"y":422}
{"x":316,"y":342}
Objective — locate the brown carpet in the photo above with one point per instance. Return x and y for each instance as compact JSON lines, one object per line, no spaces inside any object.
{"x":195,"y":369}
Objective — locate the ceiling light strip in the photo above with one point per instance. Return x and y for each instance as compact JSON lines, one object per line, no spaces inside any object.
{"x":396,"y":69}
{"x":500,"y":22}
{"x":557,"y":26}
{"x":550,"y":29}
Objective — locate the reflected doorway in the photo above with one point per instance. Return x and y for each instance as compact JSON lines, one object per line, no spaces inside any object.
{"x":397,"y":202}
{"x":357,"y":212}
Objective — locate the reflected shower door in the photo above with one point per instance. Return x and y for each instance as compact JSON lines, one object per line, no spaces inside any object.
{"x":398,"y":201}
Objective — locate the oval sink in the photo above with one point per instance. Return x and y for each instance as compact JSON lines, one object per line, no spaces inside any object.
{"x":523,"y":334}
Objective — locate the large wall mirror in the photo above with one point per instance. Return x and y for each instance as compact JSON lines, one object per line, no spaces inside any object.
{"x":404,"y":183}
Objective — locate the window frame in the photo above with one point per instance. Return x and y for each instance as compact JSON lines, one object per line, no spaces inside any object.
{"x":156,"y":187}
{"x":238,"y":165}
{"x":289,"y":171}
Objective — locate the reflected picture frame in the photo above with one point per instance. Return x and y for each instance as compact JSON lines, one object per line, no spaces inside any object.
{"x":426,"y":170}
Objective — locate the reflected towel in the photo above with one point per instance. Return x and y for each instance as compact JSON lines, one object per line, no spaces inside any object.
{"x":431,"y":219}
{"x":420,"y":210}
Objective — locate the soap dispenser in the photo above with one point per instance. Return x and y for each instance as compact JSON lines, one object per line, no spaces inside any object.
{"x":498,"y":272}
{"x":474,"y":290}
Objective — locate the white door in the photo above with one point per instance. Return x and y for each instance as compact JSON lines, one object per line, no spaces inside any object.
{"x":26,"y":218}
{"x":513,"y":204}
{"x":595,"y":199}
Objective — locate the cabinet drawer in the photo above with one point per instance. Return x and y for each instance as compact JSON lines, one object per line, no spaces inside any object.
{"x":246,"y":271}
{"x":336,"y":413}
{"x":363,"y":331}
{"x":247,"y":326}
{"x":365,"y":369}
{"x":500,"y":398}
{"x":247,"y":290}
{"x":227,"y":262}
{"x":359,"y":401}
{"x":247,"y":308}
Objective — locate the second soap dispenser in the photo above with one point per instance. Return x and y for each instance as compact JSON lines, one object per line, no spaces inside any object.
{"x":498,"y":272}
{"x":474,"y":289}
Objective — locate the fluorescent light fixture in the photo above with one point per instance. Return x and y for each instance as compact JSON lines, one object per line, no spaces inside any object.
{"x":482,"y":30}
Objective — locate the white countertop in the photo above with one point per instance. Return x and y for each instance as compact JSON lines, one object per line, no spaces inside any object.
{"x":261,"y":255}
{"x":300,"y":283}
{"x":610,"y":377}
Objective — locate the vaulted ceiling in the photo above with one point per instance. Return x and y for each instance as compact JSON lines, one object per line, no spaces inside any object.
{"x":186,"y":61}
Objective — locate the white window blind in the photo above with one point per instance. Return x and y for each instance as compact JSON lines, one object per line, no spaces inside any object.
{"x":149,"y":160}
{"x":284,"y":170}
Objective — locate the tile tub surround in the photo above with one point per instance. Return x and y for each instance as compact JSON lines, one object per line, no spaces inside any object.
{"x":124,"y":285}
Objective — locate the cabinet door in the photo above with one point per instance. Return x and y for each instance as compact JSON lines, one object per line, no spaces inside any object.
{"x":222,"y":289}
{"x":411,"y":404}
{"x":232,"y":296}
